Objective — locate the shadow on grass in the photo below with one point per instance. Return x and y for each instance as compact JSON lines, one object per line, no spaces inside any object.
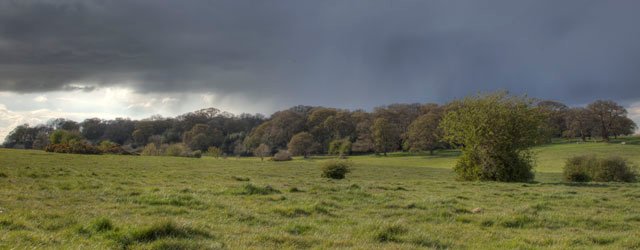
{"x":577,"y":184}
{"x":161,"y":230}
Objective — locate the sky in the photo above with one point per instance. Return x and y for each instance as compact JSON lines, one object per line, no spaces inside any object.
{"x":107,"y":59}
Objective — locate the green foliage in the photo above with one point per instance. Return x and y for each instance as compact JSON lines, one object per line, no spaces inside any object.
{"x":63,"y":136}
{"x":495,"y":132}
{"x":587,"y":168}
{"x":201,"y":136}
{"x":262,"y":151}
{"x":616,"y":169}
{"x":580,"y":168}
{"x":385,"y":135}
{"x":151,"y":150}
{"x":195,"y":154}
{"x":301,"y":144}
{"x":340,"y":147}
{"x":611,"y":119}
{"x":178,"y":149}
{"x":424,"y":133}
{"x":109,"y":147}
{"x":336,"y":169}
{"x":200,"y":141}
{"x":214,"y":152}
{"x":73,"y":147}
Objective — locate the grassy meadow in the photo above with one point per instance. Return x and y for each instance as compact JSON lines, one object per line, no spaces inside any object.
{"x":402,"y":201}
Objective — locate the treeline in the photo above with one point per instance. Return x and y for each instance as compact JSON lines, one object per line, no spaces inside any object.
{"x":306,"y":130}
{"x":198,"y":130}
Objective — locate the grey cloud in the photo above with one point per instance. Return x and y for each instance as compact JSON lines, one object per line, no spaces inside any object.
{"x":339,"y":53}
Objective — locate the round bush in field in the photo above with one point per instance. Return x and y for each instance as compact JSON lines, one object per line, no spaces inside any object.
{"x":282,"y":155}
{"x":615,"y":169}
{"x":580,"y":168}
{"x":336,"y":169}
{"x":586,"y":168}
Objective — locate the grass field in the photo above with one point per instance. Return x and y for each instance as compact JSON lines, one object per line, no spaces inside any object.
{"x":397,"y":202}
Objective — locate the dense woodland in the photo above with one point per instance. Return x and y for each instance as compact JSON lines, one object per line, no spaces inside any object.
{"x":306,"y":130}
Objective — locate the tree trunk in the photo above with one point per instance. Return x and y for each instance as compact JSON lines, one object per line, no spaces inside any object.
{"x":605,"y":133}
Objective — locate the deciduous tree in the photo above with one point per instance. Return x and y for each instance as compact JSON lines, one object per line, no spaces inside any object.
{"x":424,"y":133}
{"x":262,"y":151}
{"x":606,"y":114}
{"x":495,"y":132}
{"x":385,"y":136}
{"x":301,"y":144}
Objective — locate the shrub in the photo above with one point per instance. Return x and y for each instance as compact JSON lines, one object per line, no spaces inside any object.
{"x":109,"y":147}
{"x":73,"y":147}
{"x":151,"y":150}
{"x":282,"y":155}
{"x":340,"y":147}
{"x":195,"y":154}
{"x":590,"y":168}
{"x":178,"y":149}
{"x":214,"y":152}
{"x":579,"y":168}
{"x":336,"y":169}
{"x":616,"y":169}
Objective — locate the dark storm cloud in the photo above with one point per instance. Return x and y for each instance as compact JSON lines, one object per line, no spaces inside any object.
{"x":339,"y":53}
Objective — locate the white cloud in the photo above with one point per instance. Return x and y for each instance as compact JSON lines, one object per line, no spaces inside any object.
{"x":112,"y":102}
{"x":634,"y":113}
{"x":168,"y":100}
{"x":41,"y":98}
{"x":10,"y":119}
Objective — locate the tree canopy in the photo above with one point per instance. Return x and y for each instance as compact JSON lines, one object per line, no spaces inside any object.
{"x":495,"y":132}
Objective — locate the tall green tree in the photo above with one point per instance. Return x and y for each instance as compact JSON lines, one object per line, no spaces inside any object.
{"x":385,"y":136}
{"x":301,"y":144}
{"x":556,"y":113}
{"x":495,"y":132}
{"x":340,"y":147}
{"x":607,"y":113}
{"x":424,"y":133}
{"x":580,"y":123}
